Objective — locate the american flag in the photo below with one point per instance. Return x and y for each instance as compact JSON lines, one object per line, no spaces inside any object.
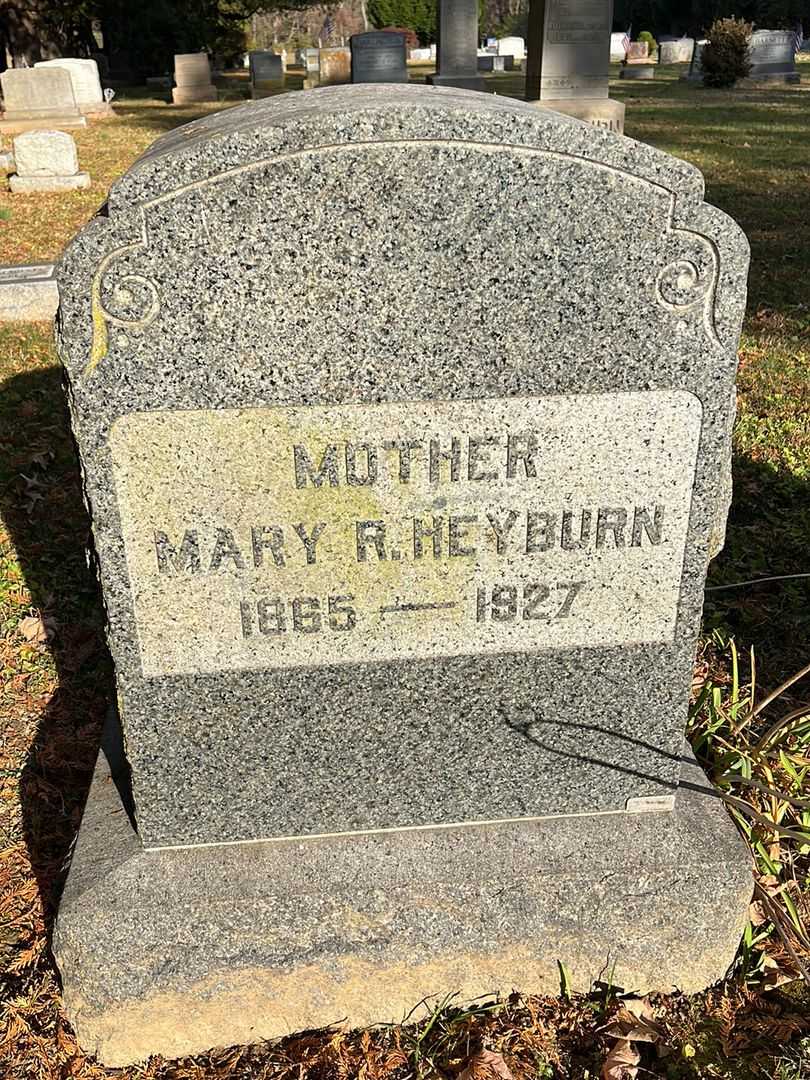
{"x":328,"y":27}
{"x":626,"y":42}
{"x":798,"y":38}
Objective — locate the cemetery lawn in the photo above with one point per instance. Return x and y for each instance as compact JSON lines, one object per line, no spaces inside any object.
{"x":55,"y":678}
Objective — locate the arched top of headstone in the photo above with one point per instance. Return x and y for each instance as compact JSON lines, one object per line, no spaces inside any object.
{"x":340,"y":115}
{"x":635,"y":207}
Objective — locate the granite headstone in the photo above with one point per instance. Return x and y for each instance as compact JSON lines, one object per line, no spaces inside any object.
{"x":39,"y":97}
{"x":266,"y":73}
{"x":773,"y":56}
{"x":378,"y":56}
{"x":192,"y":75}
{"x":568,"y":60}
{"x":638,"y":52}
{"x":512,"y":46}
{"x":457,"y":51}
{"x":334,"y":66}
{"x":46,"y":161}
{"x":399,"y":621}
{"x":675,"y":50}
{"x":28,"y":293}
{"x":86,"y":85}
{"x":618,"y":47}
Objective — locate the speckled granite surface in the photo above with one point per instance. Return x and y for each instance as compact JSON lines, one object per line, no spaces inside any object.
{"x":369,"y":245}
{"x":173,"y":952}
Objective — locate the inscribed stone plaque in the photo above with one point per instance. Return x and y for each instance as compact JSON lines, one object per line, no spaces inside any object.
{"x":39,"y":93}
{"x":575,"y":53}
{"x":282,"y":618}
{"x":378,"y":56}
{"x":285,"y":537}
{"x":773,"y":55}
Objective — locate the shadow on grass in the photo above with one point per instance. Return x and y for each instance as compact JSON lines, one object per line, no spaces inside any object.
{"x":41,"y":505}
{"x":768,"y":535}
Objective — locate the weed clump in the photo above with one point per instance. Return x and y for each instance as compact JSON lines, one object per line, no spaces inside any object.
{"x":725,"y":57}
{"x":652,"y":44}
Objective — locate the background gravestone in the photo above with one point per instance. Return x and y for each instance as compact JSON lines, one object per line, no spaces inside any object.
{"x":397,"y":618}
{"x":773,"y":56}
{"x":675,"y":50}
{"x":28,"y":293}
{"x":457,"y":52}
{"x":378,"y":56}
{"x":266,"y":73}
{"x":512,"y":46}
{"x":192,"y":74}
{"x":568,"y":60}
{"x":46,"y":161}
{"x":86,"y":85}
{"x":38,"y":97}
{"x":334,"y":66}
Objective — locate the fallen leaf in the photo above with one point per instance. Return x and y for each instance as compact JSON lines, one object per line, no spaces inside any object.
{"x":622,"y":1062}
{"x":37,"y":628}
{"x":635,"y":1020}
{"x":485,"y":1065}
{"x":755,"y":913}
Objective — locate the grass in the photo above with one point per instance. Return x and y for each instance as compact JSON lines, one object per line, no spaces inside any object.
{"x":754,"y":149}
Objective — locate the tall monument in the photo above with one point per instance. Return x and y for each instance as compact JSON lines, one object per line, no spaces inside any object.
{"x":457,"y":62}
{"x":568,"y":60}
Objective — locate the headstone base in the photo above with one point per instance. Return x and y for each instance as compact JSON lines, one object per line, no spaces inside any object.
{"x":187,"y":95}
{"x":263,"y":90}
{"x":28,"y":293}
{"x":51,"y":122}
{"x":174,"y":950}
{"x":22,"y":185}
{"x":600,"y":112}
{"x":638,"y":71}
{"x":462,"y":82}
{"x":771,"y":77}
{"x":99,"y":110}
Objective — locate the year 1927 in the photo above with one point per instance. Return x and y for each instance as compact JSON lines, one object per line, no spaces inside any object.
{"x":532,"y":600}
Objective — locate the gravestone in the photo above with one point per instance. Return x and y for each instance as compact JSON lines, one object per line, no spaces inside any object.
{"x":568,"y":57}
{"x":695,"y":73}
{"x":675,"y":51}
{"x":457,"y":51}
{"x":266,"y":73}
{"x":86,"y":85}
{"x":378,"y":56}
{"x":638,"y":71}
{"x":28,"y":293}
{"x":403,"y":626}
{"x":308,"y":59}
{"x":512,"y":46}
{"x":46,"y":161}
{"x":334,"y":66}
{"x":638,"y":52}
{"x":38,"y":97}
{"x":192,"y":74}
{"x":618,"y":49}
{"x":773,"y":56}
{"x":491,"y":62}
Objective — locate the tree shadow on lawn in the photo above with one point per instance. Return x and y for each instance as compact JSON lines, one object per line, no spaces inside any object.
{"x":41,"y":502}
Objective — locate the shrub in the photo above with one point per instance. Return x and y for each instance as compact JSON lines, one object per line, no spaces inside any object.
{"x":411,"y":37}
{"x":652,"y":44}
{"x":725,"y":55}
